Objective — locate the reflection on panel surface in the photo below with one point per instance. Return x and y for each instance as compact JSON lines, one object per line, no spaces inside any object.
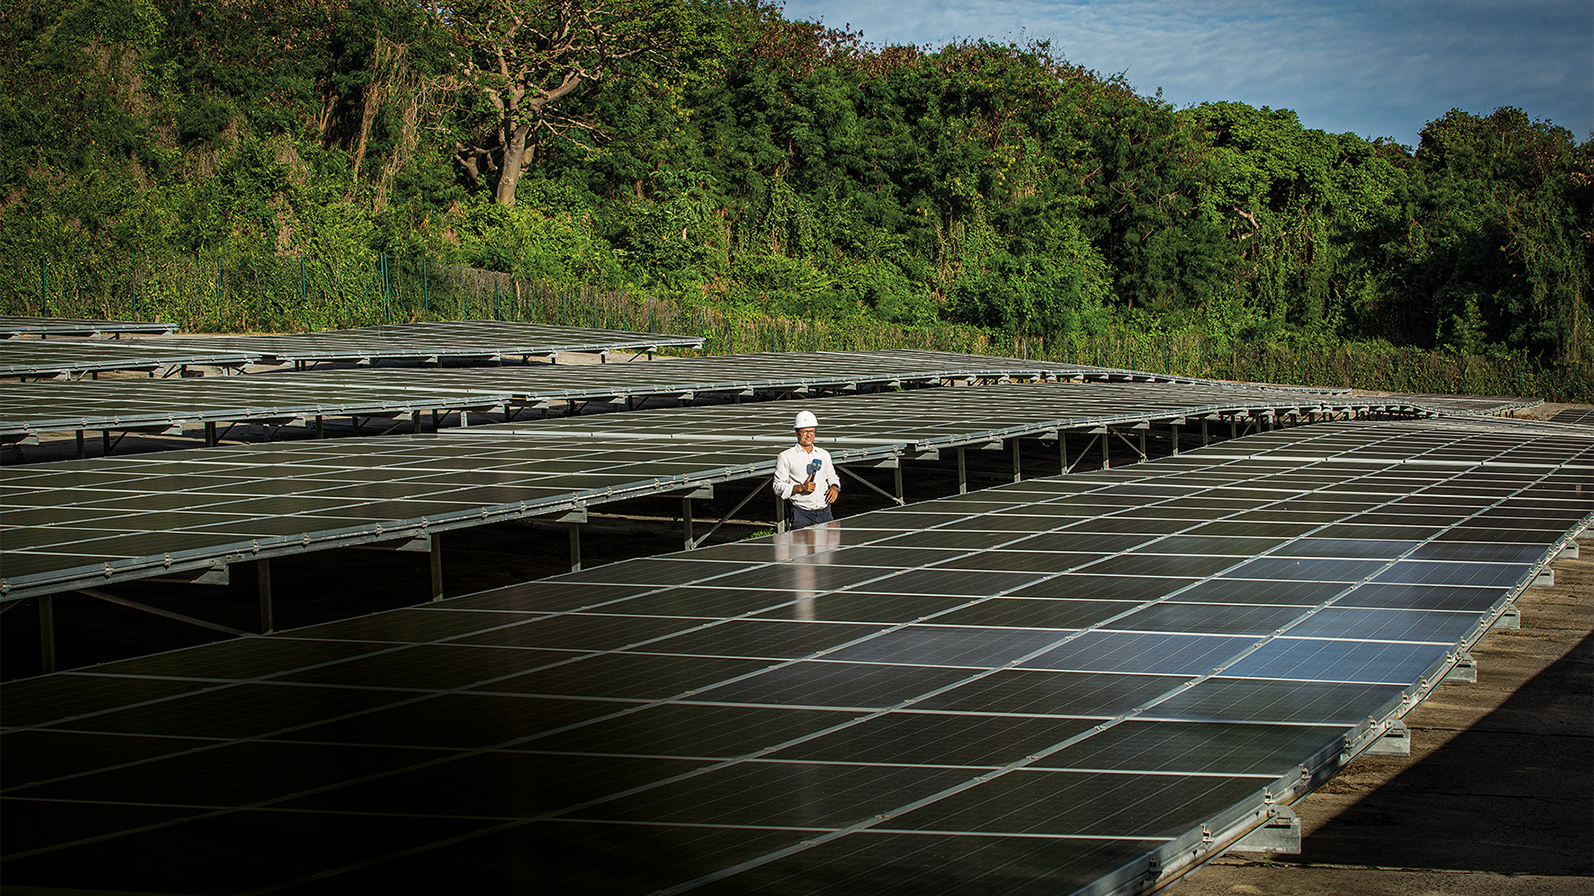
{"x":1033,"y":690}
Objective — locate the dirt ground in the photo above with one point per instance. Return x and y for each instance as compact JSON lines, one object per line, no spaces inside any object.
{"x":1497,"y":797}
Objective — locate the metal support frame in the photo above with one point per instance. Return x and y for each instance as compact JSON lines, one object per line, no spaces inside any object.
{"x":1018,"y":465}
{"x":1084,"y":451}
{"x":81,"y":453}
{"x":963,"y":473}
{"x":693,"y":543}
{"x":575,"y":547}
{"x":169,"y":614}
{"x":268,"y":622}
{"x":1465,"y":671}
{"x":1062,"y":452}
{"x":877,"y":488}
{"x":1280,"y":834}
{"x":46,"y":633}
{"x":1510,"y":619}
{"x":1395,"y":741}
{"x":686,"y":522}
{"x":435,"y":561}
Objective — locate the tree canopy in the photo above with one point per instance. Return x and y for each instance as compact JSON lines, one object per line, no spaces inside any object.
{"x":715,"y":151}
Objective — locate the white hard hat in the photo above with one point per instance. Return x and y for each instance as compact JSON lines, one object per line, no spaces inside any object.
{"x":806,"y":420}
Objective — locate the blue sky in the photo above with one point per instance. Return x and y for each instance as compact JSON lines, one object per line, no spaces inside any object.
{"x":1378,"y":69}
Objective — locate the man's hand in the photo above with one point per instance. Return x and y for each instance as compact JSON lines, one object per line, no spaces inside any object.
{"x":805,"y":488}
{"x":831,"y":494}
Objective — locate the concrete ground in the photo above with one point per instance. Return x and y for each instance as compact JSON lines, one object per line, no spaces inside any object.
{"x":1497,"y":797}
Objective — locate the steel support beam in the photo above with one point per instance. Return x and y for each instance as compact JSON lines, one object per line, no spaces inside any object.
{"x":268,"y":622}
{"x":739,"y":505}
{"x":435,"y":561}
{"x":46,"y":633}
{"x":202,"y":623}
{"x":1280,"y":834}
{"x":872,"y":485}
{"x":686,"y":522}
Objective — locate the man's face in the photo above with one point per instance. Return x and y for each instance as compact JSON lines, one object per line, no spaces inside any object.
{"x":805,"y":437}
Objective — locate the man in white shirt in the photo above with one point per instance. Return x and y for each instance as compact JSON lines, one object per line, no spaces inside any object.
{"x":805,"y":476}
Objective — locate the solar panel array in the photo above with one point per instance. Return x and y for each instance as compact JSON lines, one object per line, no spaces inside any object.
{"x":52,"y":357}
{"x":1583,"y":416}
{"x":11,"y":325}
{"x":92,"y":522}
{"x":440,"y":340}
{"x":29,"y":409}
{"x":1082,"y":683}
{"x":945,"y":419}
{"x":426,"y":341}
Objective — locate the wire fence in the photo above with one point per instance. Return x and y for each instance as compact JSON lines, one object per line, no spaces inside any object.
{"x":304,"y":292}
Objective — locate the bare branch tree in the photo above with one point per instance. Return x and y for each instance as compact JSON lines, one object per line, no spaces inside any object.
{"x":526,"y":58}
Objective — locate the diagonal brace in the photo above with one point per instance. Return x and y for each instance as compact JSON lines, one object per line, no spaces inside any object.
{"x":877,"y":488}
{"x":739,"y":505}
{"x":112,"y":598}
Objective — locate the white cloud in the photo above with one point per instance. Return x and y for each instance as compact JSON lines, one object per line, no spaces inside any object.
{"x":1373,"y":68}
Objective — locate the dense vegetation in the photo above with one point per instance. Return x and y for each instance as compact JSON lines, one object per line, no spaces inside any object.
{"x":282,"y":163}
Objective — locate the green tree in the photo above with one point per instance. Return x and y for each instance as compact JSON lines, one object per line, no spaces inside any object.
{"x":523,"y":60}
{"x":1502,"y":236}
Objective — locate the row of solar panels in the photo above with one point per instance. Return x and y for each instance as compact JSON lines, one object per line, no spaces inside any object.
{"x":437,"y":342}
{"x":28,"y":410}
{"x":86,"y":523}
{"x":12,"y":326}
{"x":1078,"y":684}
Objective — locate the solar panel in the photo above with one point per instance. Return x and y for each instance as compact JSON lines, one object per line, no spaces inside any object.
{"x":425,"y":341}
{"x":1579,"y":416}
{"x":30,"y":409}
{"x":700,"y":722}
{"x":259,"y":501}
{"x":60,"y":358}
{"x":11,"y":326}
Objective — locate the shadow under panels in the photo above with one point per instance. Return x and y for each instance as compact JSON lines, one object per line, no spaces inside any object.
{"x":879,"y":708}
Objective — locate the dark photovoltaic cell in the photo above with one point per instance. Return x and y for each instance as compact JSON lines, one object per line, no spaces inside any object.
{"x":701,"y":722}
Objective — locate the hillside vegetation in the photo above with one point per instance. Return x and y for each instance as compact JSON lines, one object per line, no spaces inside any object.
{"x":233,"y":164}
